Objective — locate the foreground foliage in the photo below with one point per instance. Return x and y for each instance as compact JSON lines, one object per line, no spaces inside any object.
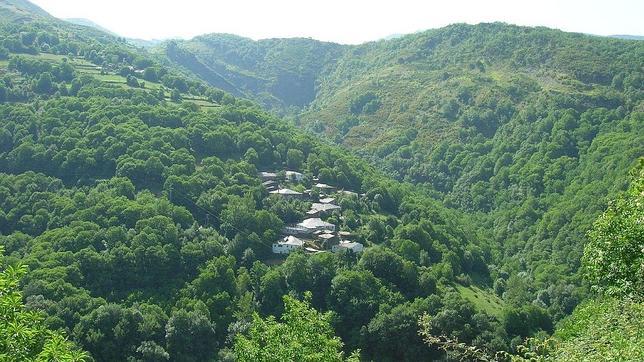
{"x":602,"y":330}
{"x":614,"y":257}
{"x":23,"y":334}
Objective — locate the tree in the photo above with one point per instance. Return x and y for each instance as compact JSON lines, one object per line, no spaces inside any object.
{"x":110,"y":332}
{"x":294,"y":158}
{"x":304,"y":334}
{"x":190,"y":336}
{"x":65,"y":71}
{"x":175,"y":95}
{"x":150,"y":74}
{"x":356,"y":296}
{"x":389,"y":266}
{"x":3,"y":93}
{"x":44,"y":84}
{"x":132,"y":81}
{"x":393,"y":335}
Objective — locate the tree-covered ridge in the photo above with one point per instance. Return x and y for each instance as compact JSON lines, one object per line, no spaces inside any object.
{"x":278,"y":73}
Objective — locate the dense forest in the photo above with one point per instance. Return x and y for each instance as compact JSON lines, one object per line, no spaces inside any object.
{"x":139,"y":217}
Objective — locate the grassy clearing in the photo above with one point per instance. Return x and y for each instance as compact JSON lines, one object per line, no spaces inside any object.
{"x":110,"y":78}
{"x":484,"y":301}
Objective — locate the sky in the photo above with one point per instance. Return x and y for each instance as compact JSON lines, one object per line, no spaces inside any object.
{"x":343,"y":21}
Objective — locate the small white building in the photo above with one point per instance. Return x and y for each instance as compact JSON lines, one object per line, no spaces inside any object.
{"x":349,"y":193}
{"x":347,"y":245}
{"x":268,"y":176}
{"x":294,"y":176}
{"x":315,"y":224}
{"x":327,"y":200}
{"x":287,"y":245}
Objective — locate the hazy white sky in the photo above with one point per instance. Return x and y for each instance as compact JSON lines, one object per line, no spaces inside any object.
{"x":344,"y":21}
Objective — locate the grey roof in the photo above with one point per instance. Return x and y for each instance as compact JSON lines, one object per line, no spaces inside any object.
{"x":349,"y":245}
{"x":312,"y":250}
{"x":323,"y":186}
{"x":291,"y":240}
{"x":315,"y":222}
{"x":324,"y":207}
{"x":285,"y":192}
{"x":327,"y":236}
{"x":327,"y":200}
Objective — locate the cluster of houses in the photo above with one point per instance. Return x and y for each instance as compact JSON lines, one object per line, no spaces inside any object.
{"x":312,"y":234}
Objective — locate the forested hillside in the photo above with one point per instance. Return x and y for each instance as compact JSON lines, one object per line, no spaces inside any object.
{"x":531,"y":130}
{"x":145,"y":204}
{"x":132,"y":198}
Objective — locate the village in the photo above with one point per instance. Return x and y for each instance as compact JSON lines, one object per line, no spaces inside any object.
{"x":313,"y":234}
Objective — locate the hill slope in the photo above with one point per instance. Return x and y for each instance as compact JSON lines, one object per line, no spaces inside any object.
{"x":90,"y":24}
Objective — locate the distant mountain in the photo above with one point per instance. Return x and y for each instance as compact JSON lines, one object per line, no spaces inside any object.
{"x":393,"y":36}
{"x":89,"y":23}
{"x":628,"y":37}
{"x":279,"y":73}
{"x":144,"y":43}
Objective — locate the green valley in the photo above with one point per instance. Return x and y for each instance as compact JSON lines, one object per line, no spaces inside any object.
{"x":443,"y":195}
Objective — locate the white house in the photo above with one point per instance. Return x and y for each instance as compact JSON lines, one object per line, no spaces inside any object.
{"x":287,"y":245}
{"x":315,"y":224}
{"x":268,"y":176}
{"x":349,"y":193}
{"x":346,"y":245}
{"x":327,"y":200}
{"x":294,"y":176}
